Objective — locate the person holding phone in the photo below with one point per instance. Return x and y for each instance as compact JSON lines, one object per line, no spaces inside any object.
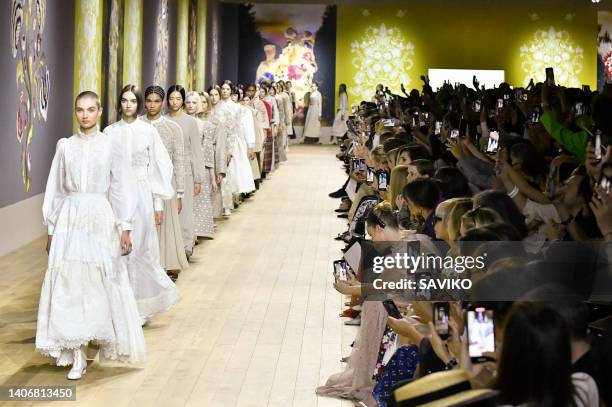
{"x":355,"y":382}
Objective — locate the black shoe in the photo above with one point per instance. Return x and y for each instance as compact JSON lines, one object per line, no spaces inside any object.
{"x":338,"y":194}
{"x":341,"y":210}
{"x":341,"y":236}
{"x":343,"y":216}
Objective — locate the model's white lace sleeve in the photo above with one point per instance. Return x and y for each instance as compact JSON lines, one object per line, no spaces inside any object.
{"x":55,"y":190}
{"x":121,"y":193}
{"x":249,"y":127}
{"x":160,"y":171}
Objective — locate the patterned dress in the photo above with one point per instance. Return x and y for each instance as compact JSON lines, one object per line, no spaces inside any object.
{"x":170,"y":233}
{"x":204,"y":225}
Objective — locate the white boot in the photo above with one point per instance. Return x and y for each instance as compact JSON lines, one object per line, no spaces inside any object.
{"x":79,"y":365}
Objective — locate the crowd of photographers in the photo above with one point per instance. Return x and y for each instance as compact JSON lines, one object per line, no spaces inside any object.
{"x":531,"y":167}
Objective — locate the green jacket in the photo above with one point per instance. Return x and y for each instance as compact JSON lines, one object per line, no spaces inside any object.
{"x":574,"y":142}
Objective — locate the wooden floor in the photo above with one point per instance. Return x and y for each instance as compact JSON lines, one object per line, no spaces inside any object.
{"x":258,"y":324}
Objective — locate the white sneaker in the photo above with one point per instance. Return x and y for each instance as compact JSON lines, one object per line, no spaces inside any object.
{"x":79,"y":365}
{"x":227,"y":212}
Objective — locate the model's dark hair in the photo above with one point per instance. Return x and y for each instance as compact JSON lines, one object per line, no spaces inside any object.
{"x":175,"y":88}
{"x":88,"y":94}
{"x":423,"y":192}
{"x":136,"y":91}
{"x":535,"y":366}
{"x":342,"y":88}
{"x":453,"y":183}
{"x":504,"y":206}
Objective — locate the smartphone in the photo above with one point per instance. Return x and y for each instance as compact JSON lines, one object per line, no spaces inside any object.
{"x":477,"y":106}
{"x":392,"y":309}
{"x":598,"y":144}
{"x":362,"y":164}
{"x":525,"y":96}
{"x":500,"y":103}
{"x":341,"y":270}
{"x":369,"y":175}
{"x":355,"y":164}
{"x":578,"y":107}
{"x":535,"y":115}
{"x":480,"y":332}
{"x":550,"y":77}
{"x":438,"y":128}
{"x":493,"y":142}
{"x":441,"y":317}
{"x":506,"y":96}
{"x":454,"y":133}
{"x":383,"y":180}
{"x":606,"y":178}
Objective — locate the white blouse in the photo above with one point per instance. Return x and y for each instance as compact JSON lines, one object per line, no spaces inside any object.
{"x":90,"y":164}
{"x":148,"y":157}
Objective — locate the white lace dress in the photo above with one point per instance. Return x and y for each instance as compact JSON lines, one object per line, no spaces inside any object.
{"x":86,"y":294}
{"x":151,"y":170}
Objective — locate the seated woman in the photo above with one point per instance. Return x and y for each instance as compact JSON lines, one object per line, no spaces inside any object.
{"x":422,"y":196}
{"x":355,"y":382}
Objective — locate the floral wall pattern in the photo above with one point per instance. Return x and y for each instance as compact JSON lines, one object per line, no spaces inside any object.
{"x":554,"y":48}
{"x":381,"y":55}
{"x":32,"y":74}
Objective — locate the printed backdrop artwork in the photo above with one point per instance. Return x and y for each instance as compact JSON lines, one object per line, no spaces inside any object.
{"x":604,"y":48}
{"x":27,"y":26}
{"x":290,"y":43}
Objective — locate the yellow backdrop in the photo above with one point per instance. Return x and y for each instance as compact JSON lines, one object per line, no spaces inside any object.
{"x":459,"y":37}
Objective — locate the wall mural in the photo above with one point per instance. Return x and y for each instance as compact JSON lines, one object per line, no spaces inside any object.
{"x":292,"y":42}
{"x":381,"y":55}
{"x":161,"y":58}
{"x":27,"y":26}
{"x":604,"y":48}
{"x":552,"y":48}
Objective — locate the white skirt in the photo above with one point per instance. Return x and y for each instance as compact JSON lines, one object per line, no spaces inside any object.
{"x":154,"y":290}
{"x":240,"y":168}
{"x":339,"y":128}
{"x":86,"y":294}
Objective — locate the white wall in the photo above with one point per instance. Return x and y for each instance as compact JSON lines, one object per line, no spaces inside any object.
{"x":21,"y":223}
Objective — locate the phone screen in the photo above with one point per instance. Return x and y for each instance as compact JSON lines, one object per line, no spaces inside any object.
{"x":481,"y":332}
{"x":392,"y":309}
{"x":383,"y":180}
{"x":477,"y":106}
{"x":493,"y":142}
{"x":441,"y":317}
{"x":355,"y":164}
{"x":598,"y":144}
{"x":606,"y":178}
{"x":341,"y":270}
{"x":438,"y":128}
{"x":535,"y":115}
{"x":362,"y":164}
{"x":454,"y":133}
{"x":578,"y":108}
{"x":500,"y":103}
{"x":369,"y":175}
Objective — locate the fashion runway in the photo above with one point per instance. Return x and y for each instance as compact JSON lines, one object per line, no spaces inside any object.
{"x":258,"y":324}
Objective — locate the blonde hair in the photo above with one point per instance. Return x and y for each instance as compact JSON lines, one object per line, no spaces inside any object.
{"x":205,"y":97}
{"x":450,"y":213}
{"x":378,"y":155}
{"x":397,"y":183}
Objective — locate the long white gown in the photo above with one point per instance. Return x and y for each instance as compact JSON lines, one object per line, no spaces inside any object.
{"x":240,"y":176}
{"x":152,"y":172}
{"x":312,"y":124}
{"x":339,"y":128}
{"x":86,"y":294}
